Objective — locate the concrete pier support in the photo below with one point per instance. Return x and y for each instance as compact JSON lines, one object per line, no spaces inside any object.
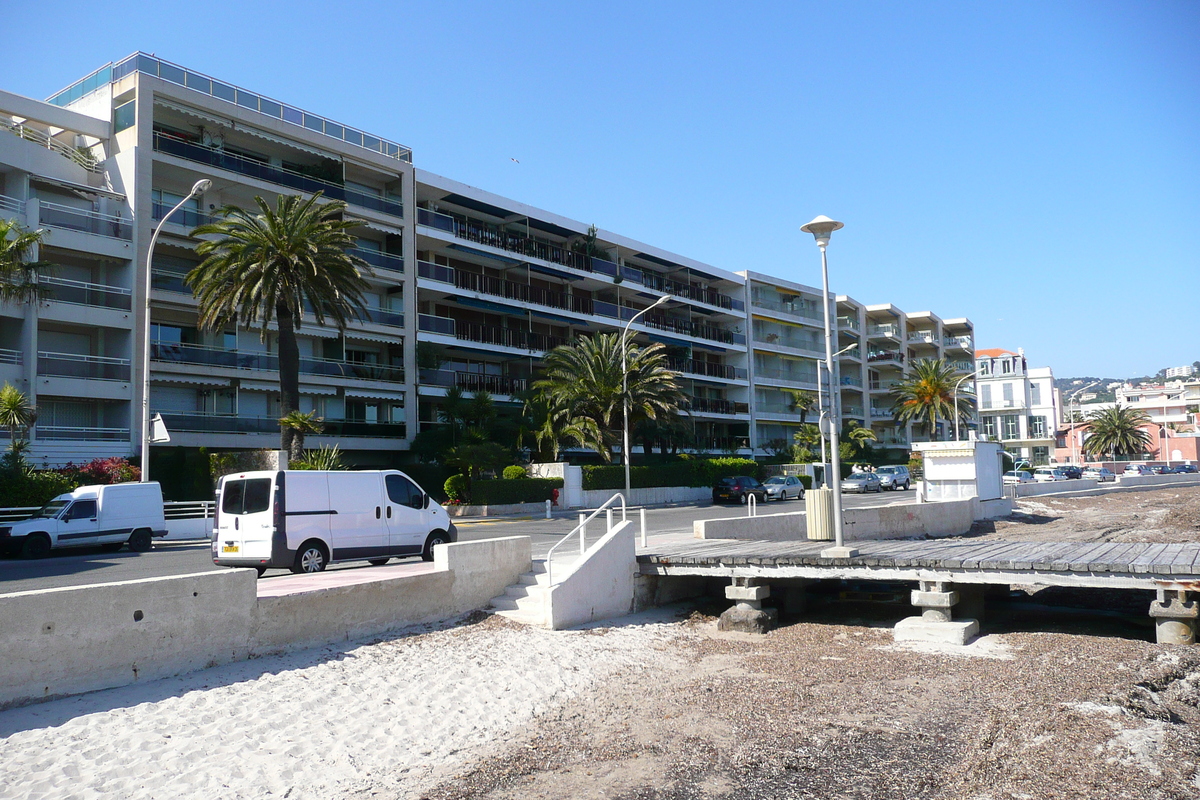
{"x":748,"y":615}
{"x":1174,"y":617}
{"x":936,"y":624}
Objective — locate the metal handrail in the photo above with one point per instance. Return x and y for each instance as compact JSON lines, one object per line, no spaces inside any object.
{"x":10,"y":356}
{"x":29,"y":134}
{"x":751,"y":505}
{"x":12,"y":204}
{"x":581,"y":529}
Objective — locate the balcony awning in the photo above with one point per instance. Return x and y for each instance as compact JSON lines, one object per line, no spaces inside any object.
{"x":259,"y":386}
{"x":487,"y":305}
{"x":191,"y":380}
{"x":229,"y":124}
{"x":668,"y":341}
{"x":554,"y":273}
{"x":557,"y":317}
{"x":364,"y":336}
{"x":377,"y":226}
{"x":484,"y":254}
{"x":316,"y":389}
{"x":375,"y":394}
{"x":78,"y":188}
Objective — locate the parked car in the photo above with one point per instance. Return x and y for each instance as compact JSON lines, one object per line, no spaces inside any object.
{"x":738,"y":489}
{"x":109,"y":516}
{"x":1182,"y":469}
{"x":894,"y":477}
{"x":1047,"y":474}
{"x":1157,"y":469}
{"x":303,"y":520}
{"x":1101,"y":474}
{"x":1138,"y":469}
{"x":781,"y":487}
{"x":1072,"y":471}
{"x":862,"y":482}
{"x":1017,"y":476}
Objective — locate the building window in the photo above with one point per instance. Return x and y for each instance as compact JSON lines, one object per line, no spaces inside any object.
{"x":1037,"y":427}
{"x":1041,"y":456}
{"x":989,"y":427}
{"x":985,"y":367}
{"x":985,"y":396}
{"x":1035,"y":394}
{"x":1006,"y":366}
{"x":1007,"y":388}
{"x":1011,"y":426}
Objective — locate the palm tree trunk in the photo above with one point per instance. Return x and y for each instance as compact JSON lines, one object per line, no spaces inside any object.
{"x":290,"y":439}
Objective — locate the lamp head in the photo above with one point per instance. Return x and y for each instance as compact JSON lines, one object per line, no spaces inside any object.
{"x":201,"y":186}
{"x":660,"y":301}
{"x":821,"y":228}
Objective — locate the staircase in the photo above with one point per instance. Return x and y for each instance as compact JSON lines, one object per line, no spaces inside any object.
{"x":527,"y":600}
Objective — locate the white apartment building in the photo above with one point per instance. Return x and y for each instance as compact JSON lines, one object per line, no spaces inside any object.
{"x":1165,"y":403}
{"x":1018,"y":406}
{"x":488,"y":283}
{"x":1186,"y":371}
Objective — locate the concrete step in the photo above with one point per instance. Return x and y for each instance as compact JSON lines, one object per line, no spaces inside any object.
{"x":526,"y":590}
{"x":525,"y":604}
{"x":524,"y":617}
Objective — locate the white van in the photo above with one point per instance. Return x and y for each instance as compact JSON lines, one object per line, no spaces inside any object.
{"x":303,"y":519}
{"x":109,"y":516}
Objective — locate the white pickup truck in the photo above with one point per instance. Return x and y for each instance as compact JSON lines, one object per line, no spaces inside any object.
{"x":109,"y":516}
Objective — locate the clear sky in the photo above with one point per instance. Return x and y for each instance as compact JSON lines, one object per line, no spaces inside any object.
{"x":1032,"y":166}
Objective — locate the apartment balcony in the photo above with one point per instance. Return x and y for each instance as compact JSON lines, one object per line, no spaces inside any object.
{"x":61,"y":290}
{"x":12,"y":357}
{"x":183,"y":422}
{"x":79,"y":156}
{"x":263,"y":171}
{"x":73,"y":365}
{"x":380,"y":260}
{"x":693,"y":366}
{"x":789,"y":375}
{"x":12,"y":205}
{"x":54,"y":215}
{"x":881,"y":413}
{"x":847,"y":323}
{"x":892,"y":441}
{"x":884,"y":332}
{"x":850,"y":380}
{"x":885,"y":358}
{"x":958,"y":342}
{"x":65,"y":433}
{"x":703,"y":405}
{"x":493,"y":235}
{"x":883,"y":386}
{"x":488,"y":334}
{"x":923,"y":338}
{"x":853,"y":411}
{"x":966,"y":367}
{"x":184,"y":217}
{"x":167,"y":281}
{"x":233,"y":359}
{"x":474,"y":381}
{"x":803,"y":309}
{"x":1001,"y":405}
{"x":785,"y":339}
{"x":509,"y":290}
{"x":383,"y":316}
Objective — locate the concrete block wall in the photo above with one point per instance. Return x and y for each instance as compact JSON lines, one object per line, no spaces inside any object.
{"x":950,"y":518}
{"x":594,"y":498}
{"x":1155,"y":480}
{"x":1054,"y":487}
{"x":82,"y":638}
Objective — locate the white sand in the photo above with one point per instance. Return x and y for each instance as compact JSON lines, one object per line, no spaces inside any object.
{"x":393,"y":717}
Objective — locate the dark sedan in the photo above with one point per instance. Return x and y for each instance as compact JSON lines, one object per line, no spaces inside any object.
{"x":736,"y":490}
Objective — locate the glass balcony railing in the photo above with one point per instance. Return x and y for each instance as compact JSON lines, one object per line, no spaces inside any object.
{"x":187,"y":217}
{"x":81,"y":293}
{"x":792,"y":375}
{"x":957,"y":342}
{"x":230,"y":423}
{"x":233,"y":359}
{"x":922,"y":337}
{"x":694,"y":366}
{"x":787,"y":338}
{"x":380,"y":260}
{"x":167,"y":281}
{"x":489,"y":334}
{"x":704,"y":405}
{"x":509,"y":290}
{"x":881,"y":413}
{"x":892,"y":331}
{"x":383,"y":316}
{"x":797,"y":308}
{"x":848,"y":322}
{"x":885,"y":357}
{"x":78,"y":219}
{"x":72,"y":365}
{"x":191,"y":151}
{"x":474,"y":381}
{"x":883,"y":386}
{"x":850,"y":380}
{"x":852,"y":411}
{"x":60,"y":433}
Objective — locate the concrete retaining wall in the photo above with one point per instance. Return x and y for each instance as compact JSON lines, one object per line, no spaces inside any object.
{"x":82,"y":638}
{"x":594,"y":498}
{"x":950,"y":518}
{"x":1054,"y":487}
{"x":538,"y":509}
{"x":602,"y":584}
{"x":1156,"y":480}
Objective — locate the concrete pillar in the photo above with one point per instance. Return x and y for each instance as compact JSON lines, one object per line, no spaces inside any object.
{"x":748,"y":615}
{"x":936,"y":624}
{"x":1174,"y":617}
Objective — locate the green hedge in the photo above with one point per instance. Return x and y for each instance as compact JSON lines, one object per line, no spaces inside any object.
{"x":806,"y":480}
{"x":22,"y":489}
{"x":693,"y":472}
{"x":516,"y":490}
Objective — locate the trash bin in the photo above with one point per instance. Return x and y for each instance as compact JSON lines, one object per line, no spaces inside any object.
{"x":818,"y":507}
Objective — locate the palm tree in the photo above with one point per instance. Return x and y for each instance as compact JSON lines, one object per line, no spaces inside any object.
{"x":16,"y":414}
{"x":858,"y":435}
{"x":582,"y":384}
{"x":926,"y":394}
{"x":803,"y":402}
{"x":1117,"y":431}
{"x":19,"y":275}
{"x":300,"y":424}
{"x":269,"y":267}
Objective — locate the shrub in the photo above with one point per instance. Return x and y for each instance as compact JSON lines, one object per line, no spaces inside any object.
{"x":515,"y":490}
{"x":689,"y":472}
{"x":806,"y":480}
{"x":102,"y":471}
{"x":456,"y":488}
{"x":34,"y":488}
{"x":514,"y":473}
{"x":323,"y":458}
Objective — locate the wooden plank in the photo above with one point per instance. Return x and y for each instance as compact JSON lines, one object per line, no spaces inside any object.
{"x":1019,"y":556}
{"x":1184,"y":564}
{"x":1097,"y":556}
{"x":1062,"y":563}
{"x":1053,"y":550}
{"x":1033,"y":553}
{"x":1141,"y":564}
{"x":1118,"y":560}
{"x":1080,"y":559}
{"x":973,"y":560}
{"x":954,"y":556}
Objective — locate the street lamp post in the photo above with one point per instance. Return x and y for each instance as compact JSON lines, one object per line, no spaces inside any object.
{"x":625,"y":388}
{"x":956,"y":414}
{"x":199,"y":187}
{"x":1071,"y":401}
{"x":821,"y":228}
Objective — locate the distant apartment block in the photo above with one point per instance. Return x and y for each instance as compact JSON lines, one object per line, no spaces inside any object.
{"x":1180,"y":372}
{"x":485,"y":284}
{"x":1018,"y":405}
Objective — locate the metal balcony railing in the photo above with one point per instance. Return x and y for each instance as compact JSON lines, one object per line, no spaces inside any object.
{"x":10,"y":356}
{"x":379,"y":260}
{"x":187,"y":217}
{"x":922,"y":337}
{"x":796,"y":376}
{"x":958,"y":342}
{"x":233,"y":359}
{"x":80,"y":156}
{"x":12,"y":204}
{"x":695,"y":366}
{"x":474,"y":381}
{"x":74,"y":365}
{"x":61,"y":432}
{"x":87,"y":294}
{"x":231,"y":423}
{"x":885,"y":357}
{"x":804,"y":309}
{"x":704,"y":405}
{"x":211,"y":156}
{"x":78,"y":219}
{"x":497,"y":287}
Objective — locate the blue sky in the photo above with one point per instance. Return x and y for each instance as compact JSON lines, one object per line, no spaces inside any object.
{"x":1032,"y":166}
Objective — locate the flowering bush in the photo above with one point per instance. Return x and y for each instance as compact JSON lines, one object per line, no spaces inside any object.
{"x":102,"y":471}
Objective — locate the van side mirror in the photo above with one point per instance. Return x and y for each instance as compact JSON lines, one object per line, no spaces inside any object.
{"x":424,"y":501}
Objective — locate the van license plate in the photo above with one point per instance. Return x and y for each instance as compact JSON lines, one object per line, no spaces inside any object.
{"x":229,"y":548}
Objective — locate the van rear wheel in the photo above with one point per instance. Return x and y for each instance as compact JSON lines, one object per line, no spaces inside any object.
{"x":36,"y":545}
{"x":310,"y":558}
{"x":435,"y":538}
{"x":140,"y":541}
{"x":378,"y":562}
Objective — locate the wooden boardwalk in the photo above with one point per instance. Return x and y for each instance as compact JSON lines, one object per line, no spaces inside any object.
{"x":1105,"y":564}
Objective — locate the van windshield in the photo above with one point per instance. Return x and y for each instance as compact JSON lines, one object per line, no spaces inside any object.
{"x":246,"y":497}
{"x":51,"y":509}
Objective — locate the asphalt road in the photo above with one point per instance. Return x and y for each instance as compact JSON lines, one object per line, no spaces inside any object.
{"x":82,"y":566}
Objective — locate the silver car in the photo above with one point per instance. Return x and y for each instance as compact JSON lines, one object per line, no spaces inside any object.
{"x":1101,"y":474}
{"x":862,"y":482}
{"x":894,"y":477}
{"x":781,"y":487}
